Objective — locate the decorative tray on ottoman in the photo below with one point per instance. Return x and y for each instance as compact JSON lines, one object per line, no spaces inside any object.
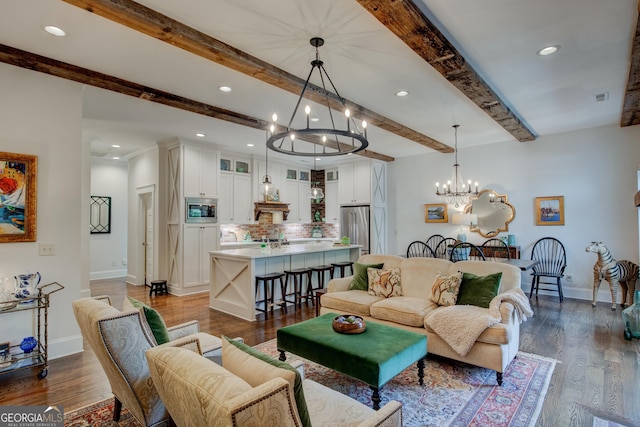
{"x":349,"y":324}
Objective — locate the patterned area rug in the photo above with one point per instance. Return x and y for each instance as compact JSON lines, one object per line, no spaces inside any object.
{"x":454,"y":394}
{"x":99,"y":415}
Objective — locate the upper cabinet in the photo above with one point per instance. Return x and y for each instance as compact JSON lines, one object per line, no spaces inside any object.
{"x":235,"y":201}
{"x":200,"y":172}
{"x":354,"y":185}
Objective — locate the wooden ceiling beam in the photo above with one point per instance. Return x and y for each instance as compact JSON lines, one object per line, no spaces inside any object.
{"x":631,"y":106}
{"x":147,"y":21}
{"x":31,"y":61}
{"x":406,"y":20}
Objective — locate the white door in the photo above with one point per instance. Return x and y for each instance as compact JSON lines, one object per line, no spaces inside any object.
{"x":147,"y":236}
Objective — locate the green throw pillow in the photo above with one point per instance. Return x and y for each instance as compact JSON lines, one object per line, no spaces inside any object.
{"x":155,"y":321}
{"x":301,"y":403}
{"x":360,"y":279}
{"x":478,"y":290}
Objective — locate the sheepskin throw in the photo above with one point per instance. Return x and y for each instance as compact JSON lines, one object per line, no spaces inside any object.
{"x":461,"y":325}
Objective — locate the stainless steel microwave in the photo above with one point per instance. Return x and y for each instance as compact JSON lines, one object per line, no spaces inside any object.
{"x":201,"y":210}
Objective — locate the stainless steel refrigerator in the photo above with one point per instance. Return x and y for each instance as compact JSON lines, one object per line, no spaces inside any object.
{"x":354,"y":222}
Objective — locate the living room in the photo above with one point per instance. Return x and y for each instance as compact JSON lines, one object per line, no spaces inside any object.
{"x":592,"y":168}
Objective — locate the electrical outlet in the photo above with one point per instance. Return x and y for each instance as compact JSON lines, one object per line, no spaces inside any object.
{"x":46,"y":249}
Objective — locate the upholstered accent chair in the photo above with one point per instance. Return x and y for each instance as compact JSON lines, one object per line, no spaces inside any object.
{"x":120,"y":340}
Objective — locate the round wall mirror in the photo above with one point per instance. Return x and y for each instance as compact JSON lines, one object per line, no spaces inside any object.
{"x":494,"y":213}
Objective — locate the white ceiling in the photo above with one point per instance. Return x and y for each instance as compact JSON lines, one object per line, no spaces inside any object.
{"x":367,"y":63}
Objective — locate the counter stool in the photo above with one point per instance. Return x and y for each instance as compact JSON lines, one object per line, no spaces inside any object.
{"x":268,"y":289}
{"x":320,"y":270}
{"x":298,"y":276}
{"x":158,"y":287}
{"x":342,"y":266}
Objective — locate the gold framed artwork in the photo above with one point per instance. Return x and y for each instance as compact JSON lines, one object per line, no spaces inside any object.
{"x":18,"y":196}
{"x":550,"y":210}
{"x":436,"y":212}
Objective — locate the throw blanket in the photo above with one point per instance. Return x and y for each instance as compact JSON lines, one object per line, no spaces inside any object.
{"x":461,"y":325}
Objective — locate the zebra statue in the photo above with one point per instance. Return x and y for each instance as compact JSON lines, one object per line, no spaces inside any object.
{"x":623,"y":272}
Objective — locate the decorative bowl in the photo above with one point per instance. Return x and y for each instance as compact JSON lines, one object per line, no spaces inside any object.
{"x":349,"y":324}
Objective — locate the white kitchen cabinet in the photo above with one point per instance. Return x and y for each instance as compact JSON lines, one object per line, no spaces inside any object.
{"x":355,"y":183}
{"x":198,"y":240}
{"x":331,"y":205}
{"x":235,"y":203}
{"x":200,"y":172}
{"x":296,"y":193}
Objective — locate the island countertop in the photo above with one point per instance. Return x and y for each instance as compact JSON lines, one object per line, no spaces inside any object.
{"x":255,"y":253}
{"x":233,"y":273}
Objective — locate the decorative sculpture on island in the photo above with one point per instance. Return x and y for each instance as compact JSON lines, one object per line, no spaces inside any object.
{"x":623,"y":272}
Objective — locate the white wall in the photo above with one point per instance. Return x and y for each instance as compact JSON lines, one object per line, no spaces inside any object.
{"x":595,"y":170}
{"x":109,"y":251}
{"x":42,"y":115}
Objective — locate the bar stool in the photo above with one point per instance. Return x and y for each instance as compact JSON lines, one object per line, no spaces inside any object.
{"x":268,"y":288}
{"x":158,"y":287}
{"x":320,"y":270}
{"x":298,"y":276}
{"x":343,"y":266}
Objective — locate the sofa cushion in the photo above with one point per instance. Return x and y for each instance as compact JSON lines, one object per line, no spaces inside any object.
{"x":360,"y":279}
{"x":478,"y":290}
{"x":384,"y":283}
{"x":419,"y":273}
{"x":403,"y":310}
{"x":154,"y":320}
{"x":496,"y":334}
{"x":444,"y":290}
{"x":352,"y":302}
{"x":256,"y":368}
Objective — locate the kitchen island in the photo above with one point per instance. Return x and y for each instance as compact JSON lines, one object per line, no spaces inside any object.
{"x":233,"y":271}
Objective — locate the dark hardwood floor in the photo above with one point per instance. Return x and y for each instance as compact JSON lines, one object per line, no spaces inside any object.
{"x":597,"y":374}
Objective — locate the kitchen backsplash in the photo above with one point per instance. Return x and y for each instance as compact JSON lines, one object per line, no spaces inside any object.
{"x":236,"y":232}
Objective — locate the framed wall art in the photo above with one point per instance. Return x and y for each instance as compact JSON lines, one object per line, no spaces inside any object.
{"x":550,"y":210}
{"x":100,"y":215}
{"x":436,"y":212}
{"x":18,"y":197}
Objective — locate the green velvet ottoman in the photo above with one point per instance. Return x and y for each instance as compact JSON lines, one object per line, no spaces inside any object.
{"x":373,"y":357}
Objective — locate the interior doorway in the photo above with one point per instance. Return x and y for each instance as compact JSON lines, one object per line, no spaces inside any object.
{"x":146,"y":236}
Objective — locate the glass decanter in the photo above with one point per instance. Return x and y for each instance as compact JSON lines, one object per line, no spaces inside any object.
{"x":631,"y":318}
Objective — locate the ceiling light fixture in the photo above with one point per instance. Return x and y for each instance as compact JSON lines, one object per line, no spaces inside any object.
{"x":115,"y":145}
{"x":335,"y":142}
{"x":402,"y":93}
{"x":225,"y":89}
{"x":267,"y":187}
{"x":200,"y":135}
{"x":54,"y":31}
{"x":548,"y":50}
{"x":455,"y":192}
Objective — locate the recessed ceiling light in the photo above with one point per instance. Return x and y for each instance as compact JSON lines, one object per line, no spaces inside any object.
{"x":318,"y":158}
{"x":549,"y":50}
{"x":55,"y":31}
{"x":200,"y":135}
{"x":116,"y":158}
{"x":249,"y":145}
{"x":402,"y":93}
{"x":224,"y":89}
{"x":315,"y":119}
{"x":115,"y":145}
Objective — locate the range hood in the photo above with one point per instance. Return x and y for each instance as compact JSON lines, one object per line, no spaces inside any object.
{"x":270,"y":207}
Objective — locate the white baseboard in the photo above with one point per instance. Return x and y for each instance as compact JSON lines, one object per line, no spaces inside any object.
{"x":65,"y":346}
{"x":108,"y":274}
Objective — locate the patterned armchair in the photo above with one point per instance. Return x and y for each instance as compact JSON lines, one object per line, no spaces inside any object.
{"x":120,"y":340}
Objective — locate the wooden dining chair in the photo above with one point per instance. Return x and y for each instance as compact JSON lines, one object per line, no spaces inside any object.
{"x":419,"y":249}
{"x":465,"y":251}
{"x":496,"y":250}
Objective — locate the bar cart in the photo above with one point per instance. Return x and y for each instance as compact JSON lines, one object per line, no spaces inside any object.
{"x":39,"y":356}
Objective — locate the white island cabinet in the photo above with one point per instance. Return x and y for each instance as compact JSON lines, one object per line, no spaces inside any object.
{"x":233,"y":271}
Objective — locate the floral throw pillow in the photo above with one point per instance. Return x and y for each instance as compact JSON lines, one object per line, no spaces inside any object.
{"x":444,"y":290}
{"x":384,"y":283}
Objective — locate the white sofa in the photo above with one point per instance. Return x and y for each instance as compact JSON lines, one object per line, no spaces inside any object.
{"x":495,"y":348}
